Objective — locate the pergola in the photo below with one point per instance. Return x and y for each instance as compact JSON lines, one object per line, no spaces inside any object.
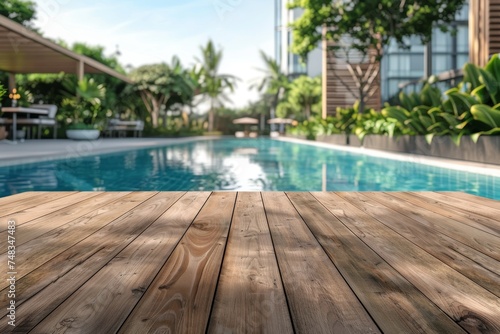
{"x":24,"y":51}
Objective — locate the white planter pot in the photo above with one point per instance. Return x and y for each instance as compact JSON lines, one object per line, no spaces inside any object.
{"x":83,"y":134}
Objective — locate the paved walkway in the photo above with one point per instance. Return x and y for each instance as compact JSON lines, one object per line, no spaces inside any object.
{"x":37,"y":150}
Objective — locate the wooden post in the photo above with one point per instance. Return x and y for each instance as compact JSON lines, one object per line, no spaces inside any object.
{"x":324,"y":74}
{"x":12,"y":81}
{"x":80,"y":70}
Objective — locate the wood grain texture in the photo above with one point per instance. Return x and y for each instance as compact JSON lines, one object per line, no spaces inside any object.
{"x":470,"y":305}
{"x":477,"y":266}
{"x":180,"y":298}
{"x":482,"y":217}
{"x":320,"y":301}
{"x":393,"y":302}
{"x":103,"y":303}
{"x":34,"y":228}
{"x":29,"y":255}
{"x":32,"y":199}
{"x":4,"y":201}
{"x":472,"y":199}
{"x":459,"y":230}
{"x":491,"y":226}
{"x":347,"y":262}
{"x":60,"y":277}
{"x":250,"y":283}
{"x":83,"y":252}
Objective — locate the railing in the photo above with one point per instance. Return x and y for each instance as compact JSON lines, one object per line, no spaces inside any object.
{"x":444,"y":80}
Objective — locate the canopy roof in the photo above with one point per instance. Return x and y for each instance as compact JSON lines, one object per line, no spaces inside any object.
{"x":24,"y":51}
{"x":246,"y":120}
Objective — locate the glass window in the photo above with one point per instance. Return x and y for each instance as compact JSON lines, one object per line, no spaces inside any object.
{"x":441,"y":63}
{"x":462,"y":59}
{"x":463,"y":14}
{"x":441,"y":41}
{"x":462,"y":39}
{"x":404,"y":64}
{"x":417,"y":63}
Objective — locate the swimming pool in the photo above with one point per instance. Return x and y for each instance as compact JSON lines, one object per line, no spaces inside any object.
{"x":239,"y":164}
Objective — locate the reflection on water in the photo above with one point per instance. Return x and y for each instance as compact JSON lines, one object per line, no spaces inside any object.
{"x":238,"y":164}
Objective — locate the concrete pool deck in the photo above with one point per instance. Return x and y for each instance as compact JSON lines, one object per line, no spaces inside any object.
{"x":31,"y":151}
{"x":41,"y":150}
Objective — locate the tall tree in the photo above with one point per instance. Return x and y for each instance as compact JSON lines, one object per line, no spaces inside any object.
{"x":305,"y":94}
{"x":274,"y":82}
{"x":359,"y":30}
{"x":162,"y":85}
{"x":213,"y":85}
{"x":20,"y":11}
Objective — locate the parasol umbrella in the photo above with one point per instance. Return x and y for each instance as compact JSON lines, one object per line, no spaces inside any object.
{"x":246,"y":121}
{"x":280,"y":121}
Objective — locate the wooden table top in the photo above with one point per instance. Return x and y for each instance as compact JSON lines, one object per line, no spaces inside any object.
{"x":251,"y":262}
{"x":25,"y":110}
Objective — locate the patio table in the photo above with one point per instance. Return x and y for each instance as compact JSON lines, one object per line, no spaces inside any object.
{"x":23,"y":110}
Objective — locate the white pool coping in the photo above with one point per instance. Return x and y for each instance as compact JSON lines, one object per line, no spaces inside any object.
{"x":459,"y":165}
{"x":32,"y":151}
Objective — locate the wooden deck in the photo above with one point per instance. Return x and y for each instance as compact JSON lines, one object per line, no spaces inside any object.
{"x":224,"y":262}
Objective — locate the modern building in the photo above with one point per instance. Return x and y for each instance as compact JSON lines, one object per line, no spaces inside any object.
{"x":446,"y":51}
{"x":290,"y":63}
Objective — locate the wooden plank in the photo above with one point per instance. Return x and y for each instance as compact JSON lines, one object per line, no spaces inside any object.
{"x":34,"y":253}
{"x":180,"y":298}
{"x":481,"y":223}
{"x":473,"y":199}
{"x":487,"y":216}
{"x":319,"y":299}
{"x":398,"y":215}
{"x":27,"y":202}
{"x":86,"y":258}
{"x":49,"y":222}
{"x":117,"y":288}
{"x":4,"y":201}
{"x":88,"y":251}
{"x":26,"y":215}
{"x":250,"y":283}
{"x":463,"y":300}
{"x":393,"y":302}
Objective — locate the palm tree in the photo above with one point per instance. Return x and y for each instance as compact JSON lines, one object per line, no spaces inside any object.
{"x":213,"y":85}
{"x":274,"y":82}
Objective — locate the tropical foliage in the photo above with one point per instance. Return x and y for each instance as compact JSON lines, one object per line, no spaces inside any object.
{"x":20,"y":11}
{"x":302,"y":98}
{"x":83,"y":103}
{"x":213,"y":85}
{"x":163,"y":85}
{"x":274,"y":83}
{"x":472,"y":108}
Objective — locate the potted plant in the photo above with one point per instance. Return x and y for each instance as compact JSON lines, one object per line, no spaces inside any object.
{"x":84,"y":111}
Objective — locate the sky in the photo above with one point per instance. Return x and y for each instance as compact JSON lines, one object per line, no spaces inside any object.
{"x":152,"y":31}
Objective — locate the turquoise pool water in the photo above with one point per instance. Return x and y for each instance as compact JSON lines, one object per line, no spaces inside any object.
{"x":239,"y":164}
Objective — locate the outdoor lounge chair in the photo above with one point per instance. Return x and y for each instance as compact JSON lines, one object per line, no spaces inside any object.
{"x":123,"y":126}
{"x":42,"y":121}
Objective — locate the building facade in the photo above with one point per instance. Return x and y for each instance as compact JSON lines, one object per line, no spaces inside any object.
{"x":289,"y":62}
{"x":476,"y":38}
{"x":446,"y":51}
